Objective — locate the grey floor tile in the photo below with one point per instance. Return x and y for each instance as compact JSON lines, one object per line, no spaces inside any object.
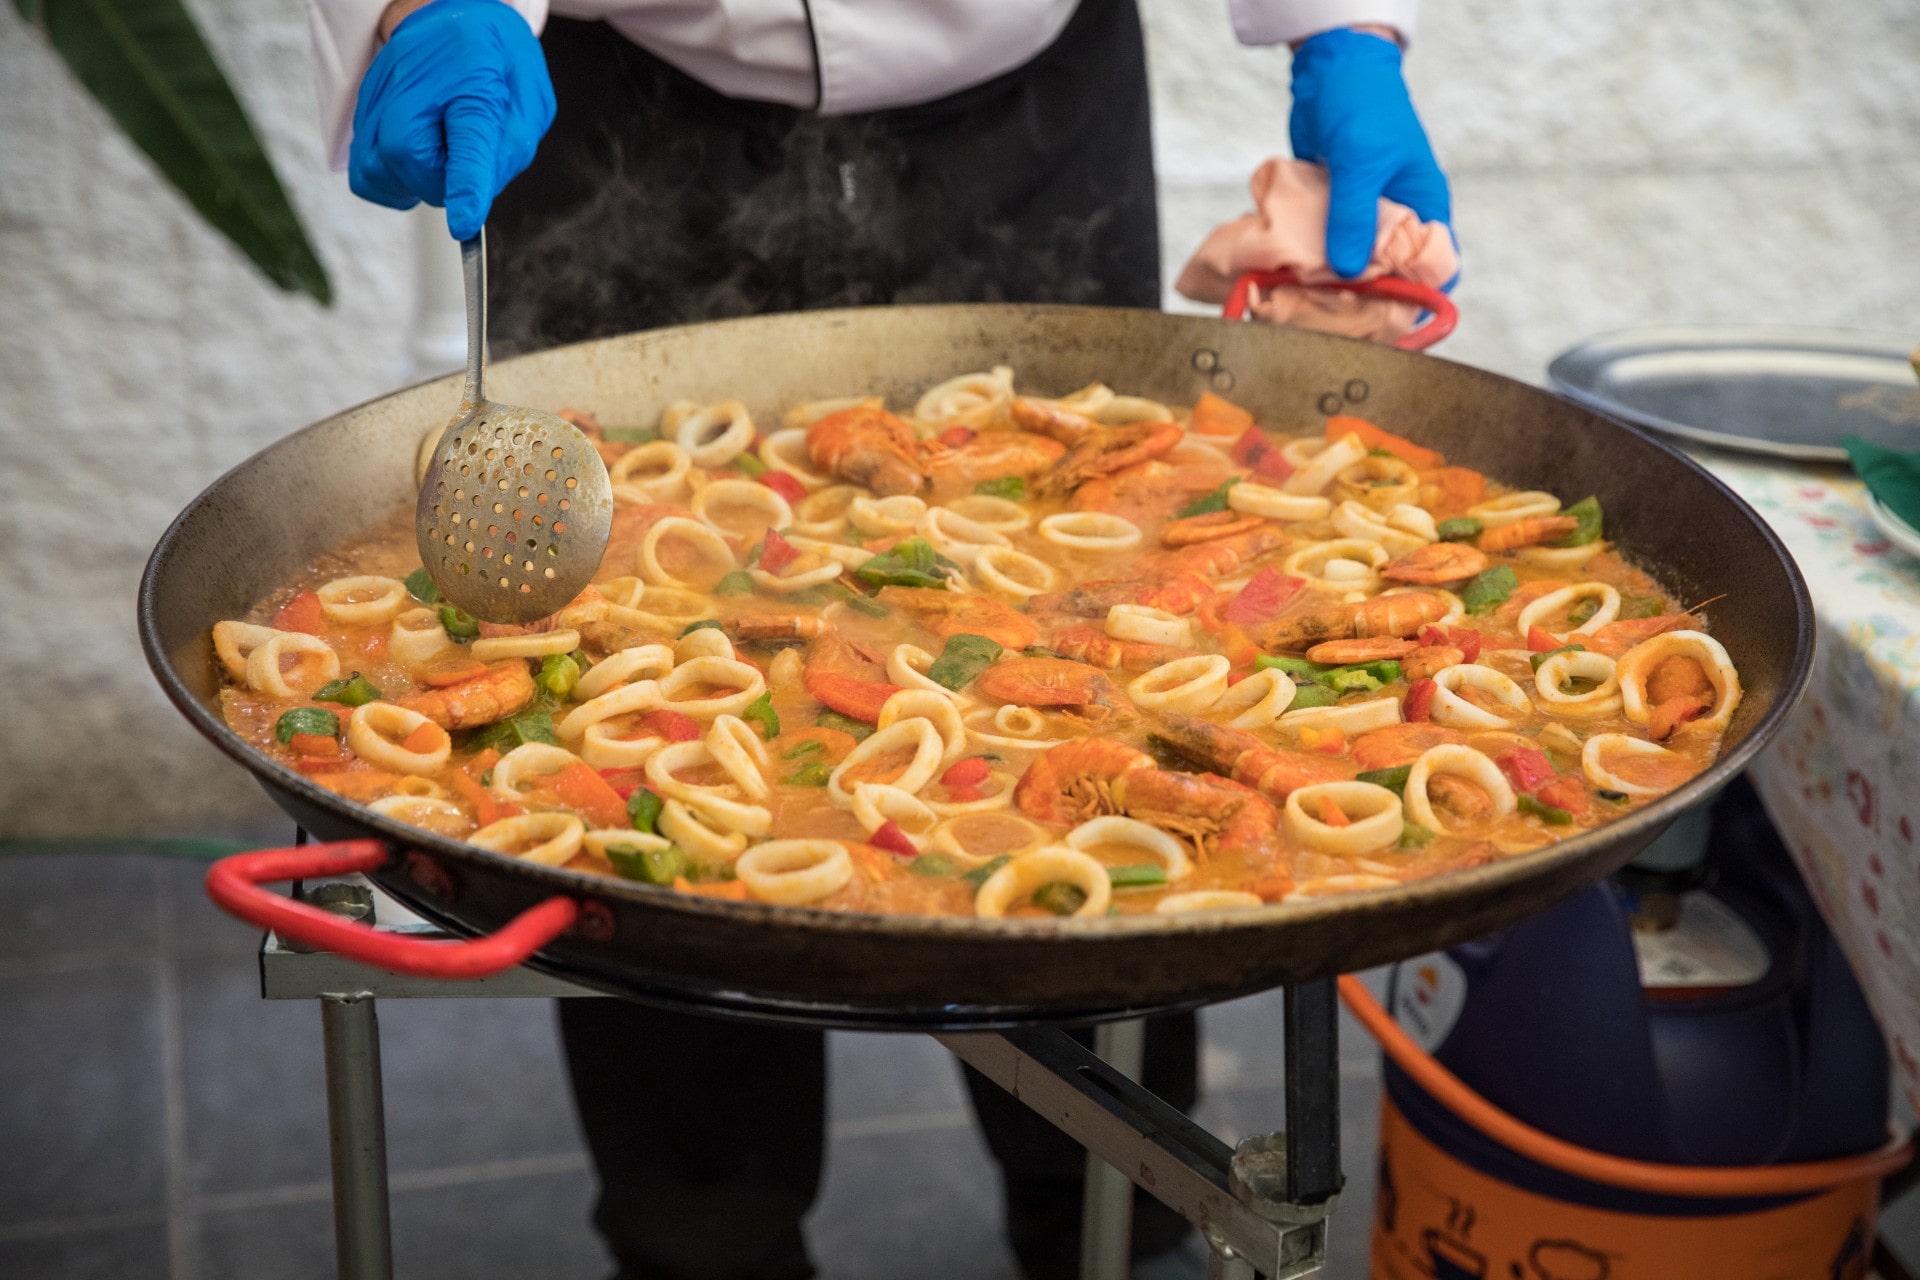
{"x":877,"y":1075}
{"x":53,"y":906}
{"x":81,"y":1122}
{"x":509,"y":1229}
{"x":255,"y":1081}
{"x":910,"y":1205}
{"x":125,"y":1253}
{"x":200,"y":928}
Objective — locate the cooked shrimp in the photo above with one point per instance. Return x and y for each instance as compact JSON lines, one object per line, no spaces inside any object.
{"x":1091,"y":644}
{"x":1063,"y":425}
{"x":1399,"y":744}
{"x":1180,"y":594}
{"x":1341,"y":652}
{"x":1424,"y":661}
{"x":1527,"y":533}
{"x":1052,"y":682}
{"x":868,"y":446}
{"x":774,"y":627}
{"x":1074,"y":781}
{"x":1202,"y":808}
{"x":1435,"y":563}
{"x":1400,"y":616}
{"x":1109,"y":450}
{"x":990,"y":456}
{"x":1616,"y":638}
{"x":1222,"y":555}
{"x":505,"y":689}
{"x":1211,"y":527}
{"x":1148,"y":492}
{"x":1248,"y":760}
{"x":1458,"y":796}
{"x":952,"y":613}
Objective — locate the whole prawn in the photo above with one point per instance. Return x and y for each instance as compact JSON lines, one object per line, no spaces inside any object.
{"x":868,"y":446}
{"x":1397,"y":616}
{"x":1246,"y":759}
{"x":506,"y":689}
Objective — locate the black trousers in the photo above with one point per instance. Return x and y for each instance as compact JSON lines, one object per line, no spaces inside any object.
{"x":656,"y":201}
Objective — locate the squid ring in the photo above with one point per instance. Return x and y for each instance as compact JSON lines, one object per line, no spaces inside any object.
{"x":716,"y":435}
{"x":1638,"y":663}
{"x":1180,"y":904}
{"x":787,"y":451}
{"x":430,"y":812}
{"x":956,"y":537}
{"x":1511,"y":508}
{"x":664,"y":485}
{"x":1323,"y":466}
{"x":368,"y":730}
{"x":1001,"y":515}
{"x":1462,"y":762}
{"x":315,"y":664}
{"x":936,"y":707}
{"x":999,"y":797}
{"x":1592,"y":761}
{"x":788,"y":583}
{"x":742,"y":493}
{"x":710,"y":802}
{"x":947,"y":838}
{"x":1149,"y":839}
{"x":1560,"y":559}
{"x":1013,"y":572}
{"x":704,"y":537}
{"x":1256,"y":701}
{"x":1353,"y":718}
{"x":1187,"y":685}
{"x":739,"y":751}
{"x":707,"y":642}
{"x":538,"y":645}
{"x":883,"y":517}
{"x":233,"y":641}
{"x":1010,"y":738}
{"x":1090,"y":531}
{"x":1344,"y":564}
{"x":1417,"y":521}
{"x":1328,"y":886}
{"x":876,"y":803}
{"x":745,"y":677}
{"x":1578,"y":664}
{"x":907,"y":667}
{"x":416,"y":637}
{"x":641,"y":695}
{"x":517,"y":769}
{"x":973,"y":399}
{"x":1547,"y":605}
{"x":1363,"y":523}
{"x":1374,"y":813}
{"x":852,"y":557}
{"x":604,"y":747}
{"x":1455,"y":712}
{"x":1029,"y":871}
{"x":794,"y":872}
{"x":918,"y":732}
{"x":1148,"y":625}
{"x":551,"y":838}
{"x":362,"y":601}
{"x":1276,"y":504}
{"x":702,"y":839}
{"x":823,"y":513}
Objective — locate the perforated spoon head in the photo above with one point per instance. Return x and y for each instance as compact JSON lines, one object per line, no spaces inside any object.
{"x":515,"y":505}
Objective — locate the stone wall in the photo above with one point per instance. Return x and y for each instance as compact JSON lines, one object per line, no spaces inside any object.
{"x":1617,"y":164}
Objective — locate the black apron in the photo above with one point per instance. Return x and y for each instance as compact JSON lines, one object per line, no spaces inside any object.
{"x":655,"y":200}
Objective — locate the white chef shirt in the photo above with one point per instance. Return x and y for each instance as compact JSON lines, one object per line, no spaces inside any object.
{"x":840,"y":57}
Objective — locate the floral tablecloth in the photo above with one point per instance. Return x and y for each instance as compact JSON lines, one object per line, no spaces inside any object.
{"x":1842,"y":781}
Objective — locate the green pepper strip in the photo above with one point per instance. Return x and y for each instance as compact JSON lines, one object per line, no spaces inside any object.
{"x":932,"y":864}
{"x":810,"y":775}
{"x":978,"y":876}
{"x":1543,"y":811}
{"x":1489,"y":589}
{"x":1537,"y":660}
{"x":649,"y":866}
{"x":1394,"y":780}
{"x":1215,"y":501}
{"x":643,"y":809}
{"x":737,"y":583}
{"x":804,"y":749}
{"x":860,"y":729}
{"x":1013,"y":488}
{"x":760,"y":711}
{"x":420,"y":587}
{"x":1059,"y":897}
{"x":1145,"y":876}
{"x":1312,"y":695}
{"x":705,"y":624}
{"x":962,"y":660}
{"x":459,"y":625}
{"x":559,"y":673}
{"x":355,"y":691}
{"x":312,"y":720}
{"x":1413,"y":835}
{"x":1291,"y":666}
{"x":1459,"y":529}
{"x":1587,"y":512}
{"x":503,"y":736}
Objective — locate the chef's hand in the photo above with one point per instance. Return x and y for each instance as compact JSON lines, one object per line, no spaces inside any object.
{"x":451,"y":109}
{"x":1351,"y":113}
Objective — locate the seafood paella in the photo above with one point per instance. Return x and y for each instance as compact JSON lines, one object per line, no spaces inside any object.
{"x":998,"y":654}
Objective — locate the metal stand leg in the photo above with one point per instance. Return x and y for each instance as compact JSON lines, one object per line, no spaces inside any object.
{"x":357,"y":1127}
{"x":1106,"y":1215}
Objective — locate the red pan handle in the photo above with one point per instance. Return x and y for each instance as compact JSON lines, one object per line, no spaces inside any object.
{"x":1444,"y":315}
{"x":235,"y":882}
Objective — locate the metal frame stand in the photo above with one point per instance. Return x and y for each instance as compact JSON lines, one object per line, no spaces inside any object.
{"x":1261,"y":1206}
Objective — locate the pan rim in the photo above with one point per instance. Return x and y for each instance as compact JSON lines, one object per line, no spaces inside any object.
{"x":972,"y":929}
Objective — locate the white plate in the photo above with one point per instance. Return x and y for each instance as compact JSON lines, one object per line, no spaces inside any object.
{"x":1898,"y":531}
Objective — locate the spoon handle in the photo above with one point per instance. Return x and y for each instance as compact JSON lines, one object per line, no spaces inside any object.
{"x":473,"y":273}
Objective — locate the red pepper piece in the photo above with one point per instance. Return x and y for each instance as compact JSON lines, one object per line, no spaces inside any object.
{"x":891,"y":838}
{"x":856,"y":699}
{"x":954,"y":437}
{"x":1251,"y":447}
{"x":587,"y":793}
{"x":1527,"y":768}
{"x":1465,"y":639}
{"x":970,"y":772}
{"x":1540,"y":640}
{"x":1272,"y":466}
{"x":964,"y":795}
{"x":1261,"y":600}
{"x":302,"y":613}
{"x":321,"y":764}
{"x":783,"y":484}
{"x":671,"y":725}
{"x":314,"y":745}
{"x":1567,"y":793}
{"x":1418,"y":704}
{"x":776,"y":553}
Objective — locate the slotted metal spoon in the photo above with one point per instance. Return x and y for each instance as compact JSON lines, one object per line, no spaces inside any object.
{"x":515,"y":505}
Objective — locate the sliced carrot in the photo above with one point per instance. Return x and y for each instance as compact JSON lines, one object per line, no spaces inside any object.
{"x":1330,"y":740}
{"x":423,"y":739}
{"x":1213,"y":416}
{"x":587,"y":793}
{"x":855,"y":699}
{"x":1272,"y":887}
{"x":322,"y":764}
{"x":375,"y":645}
{"x":731,"y":889}
{"x":1332,"y":814}
{"x":1416,"y":456}
{"x":302,"y":613}
{"x":1540,"y":640}
{"x":454,"y":671}
{"x":314,"y":745}
{"x":1567,"y":793}
{"x":486,"y":810}
{"x":483,"y":762}
{"x":1459,"y":488}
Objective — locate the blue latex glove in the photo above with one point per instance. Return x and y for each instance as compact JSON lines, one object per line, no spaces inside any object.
{"x":1351,"y":113}
{"x":451,"y":109}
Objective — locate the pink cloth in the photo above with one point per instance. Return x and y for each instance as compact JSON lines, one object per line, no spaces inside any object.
{"x":1288,"y":228}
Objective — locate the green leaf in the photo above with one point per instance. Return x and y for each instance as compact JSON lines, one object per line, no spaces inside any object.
{"x":146,"y":63}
